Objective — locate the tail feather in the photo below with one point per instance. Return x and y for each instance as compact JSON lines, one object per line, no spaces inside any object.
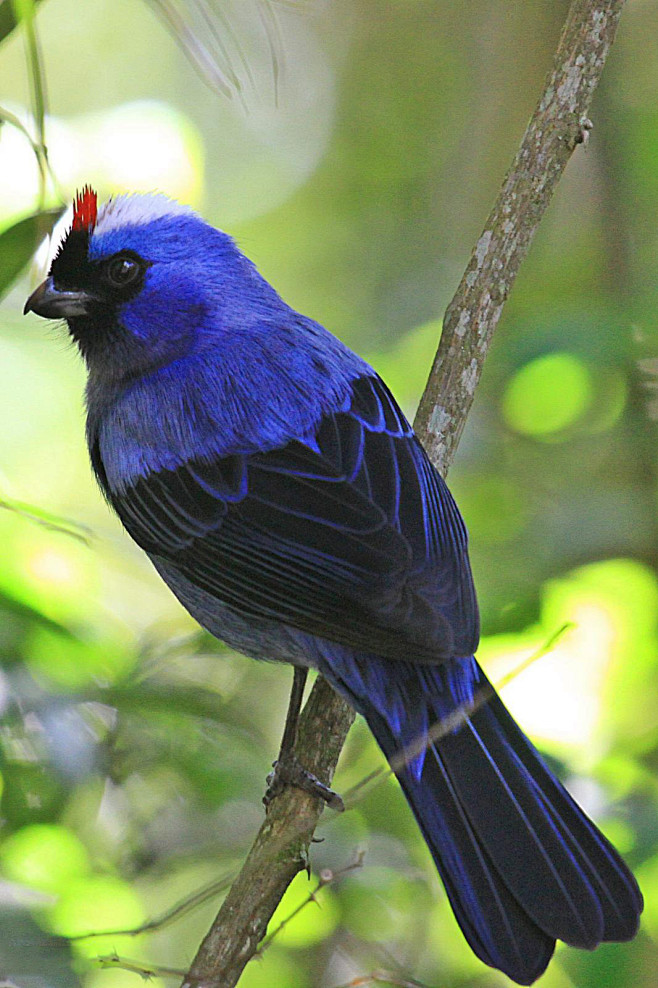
{"x":522,"y":864}
{"x":619,"y":895}
{"x":527,"y":844}
{"x":497,"y":928}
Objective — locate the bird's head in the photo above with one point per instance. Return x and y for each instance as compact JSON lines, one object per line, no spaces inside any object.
{"x":141,"y":280}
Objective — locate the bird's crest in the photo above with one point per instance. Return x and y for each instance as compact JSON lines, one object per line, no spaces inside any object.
{"x":85,"y":209}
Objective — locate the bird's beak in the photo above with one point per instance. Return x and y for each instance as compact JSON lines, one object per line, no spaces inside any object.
{"x":55,"y":303}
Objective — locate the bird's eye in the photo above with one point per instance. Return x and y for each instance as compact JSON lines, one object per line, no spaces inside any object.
{"x":122,"y":271}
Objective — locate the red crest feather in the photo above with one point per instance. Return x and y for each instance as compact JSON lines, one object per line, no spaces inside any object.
{"x":85,"y":207}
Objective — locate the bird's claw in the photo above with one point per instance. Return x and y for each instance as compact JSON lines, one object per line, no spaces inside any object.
{"x":289,"y":772}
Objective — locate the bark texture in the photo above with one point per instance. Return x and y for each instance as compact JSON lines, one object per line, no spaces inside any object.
{"x":558,"y":125}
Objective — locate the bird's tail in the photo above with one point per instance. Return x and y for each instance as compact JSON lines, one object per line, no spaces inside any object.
{"x":522,"y":864}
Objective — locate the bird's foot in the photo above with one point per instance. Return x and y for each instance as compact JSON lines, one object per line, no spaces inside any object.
{"x":288,"y":772}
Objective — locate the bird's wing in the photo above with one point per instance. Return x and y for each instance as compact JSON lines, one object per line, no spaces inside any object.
{"x":356,"y":539}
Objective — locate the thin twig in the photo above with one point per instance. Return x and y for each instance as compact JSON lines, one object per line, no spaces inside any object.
{"x":327,"y":876}
{"x":146,"y":971}
{"x":557,"y":126}
{"x":440,"y":729}
{"x":40,"y":152}
{"x":38,"y":91}
{"x":182,"y":908}
{"x":53,"y":523}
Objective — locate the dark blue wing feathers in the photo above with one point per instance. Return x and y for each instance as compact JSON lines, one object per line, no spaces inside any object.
{"x":224,"y":478}
{"x":346,"y":532}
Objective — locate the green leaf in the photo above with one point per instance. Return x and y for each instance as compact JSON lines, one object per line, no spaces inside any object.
{"x":29,"y":615}
{"x":19,"y":243}
{"x":8,"y":17}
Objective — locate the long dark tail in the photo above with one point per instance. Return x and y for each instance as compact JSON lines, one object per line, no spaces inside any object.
{"x":522,"y":864}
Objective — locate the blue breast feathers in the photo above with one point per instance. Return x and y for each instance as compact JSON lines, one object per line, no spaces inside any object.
{"x":254,"y":389}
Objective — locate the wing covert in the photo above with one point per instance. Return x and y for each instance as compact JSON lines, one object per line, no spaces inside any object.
{"x":354,"y":538}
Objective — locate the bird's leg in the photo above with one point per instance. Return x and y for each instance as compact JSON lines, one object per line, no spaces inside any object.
{"x":287,"y":770}
{"x":300,"y":675}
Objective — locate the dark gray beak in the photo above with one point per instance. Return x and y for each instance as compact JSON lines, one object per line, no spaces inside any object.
{"x":55,"y":303}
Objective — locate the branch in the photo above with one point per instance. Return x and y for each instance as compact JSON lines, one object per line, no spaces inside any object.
{"x":557,"y":126}
{"x":279,"y":851}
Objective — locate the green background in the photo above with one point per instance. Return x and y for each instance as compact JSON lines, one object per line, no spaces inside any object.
{"x":356,"y":168}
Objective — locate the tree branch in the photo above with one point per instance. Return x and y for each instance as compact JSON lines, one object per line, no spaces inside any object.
{"x":557,"y":126}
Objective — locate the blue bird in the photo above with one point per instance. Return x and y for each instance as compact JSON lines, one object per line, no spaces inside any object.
{"x":281,"y":494}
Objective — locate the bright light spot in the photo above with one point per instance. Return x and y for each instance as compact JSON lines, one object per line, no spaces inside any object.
{"x":50,"y":566}
{"x":548,"y":394}
{"x":136,"y":147}
{"x":593,"y":683}
{"x":19,"y":173}
{"x":558,"y":697}
{"x":146,"y":147}
{"x":45,"y":571}
{"x":611,"y":398}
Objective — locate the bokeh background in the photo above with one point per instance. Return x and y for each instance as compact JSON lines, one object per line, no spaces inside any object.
{"x":354,"y":154}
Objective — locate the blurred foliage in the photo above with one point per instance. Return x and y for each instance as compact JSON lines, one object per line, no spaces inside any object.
{"x":355,"y":164}
{"x":10,"y":15}
{"x":19,"y":244}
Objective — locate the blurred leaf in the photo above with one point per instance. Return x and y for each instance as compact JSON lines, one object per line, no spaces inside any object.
{"x":93,"y":905}
{"x":547,"y":395}
{"x":300,"y":919}
{"x":378,"y":904}
{"x":201,"y":36}
{"x":609,"y":966}
{"x":44,"y":856}
{"x":647,"y":876}
{"x":167,"y":699}
{"x":74,"y":664}
{"x":30,"y":615}
{"x":32,"y":791}
{"x":8,"y":16}
{"x":276,"y":967}
{"x":19,"y":243}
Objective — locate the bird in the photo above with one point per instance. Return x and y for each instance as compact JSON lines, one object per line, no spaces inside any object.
{"x":284,"y":498}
